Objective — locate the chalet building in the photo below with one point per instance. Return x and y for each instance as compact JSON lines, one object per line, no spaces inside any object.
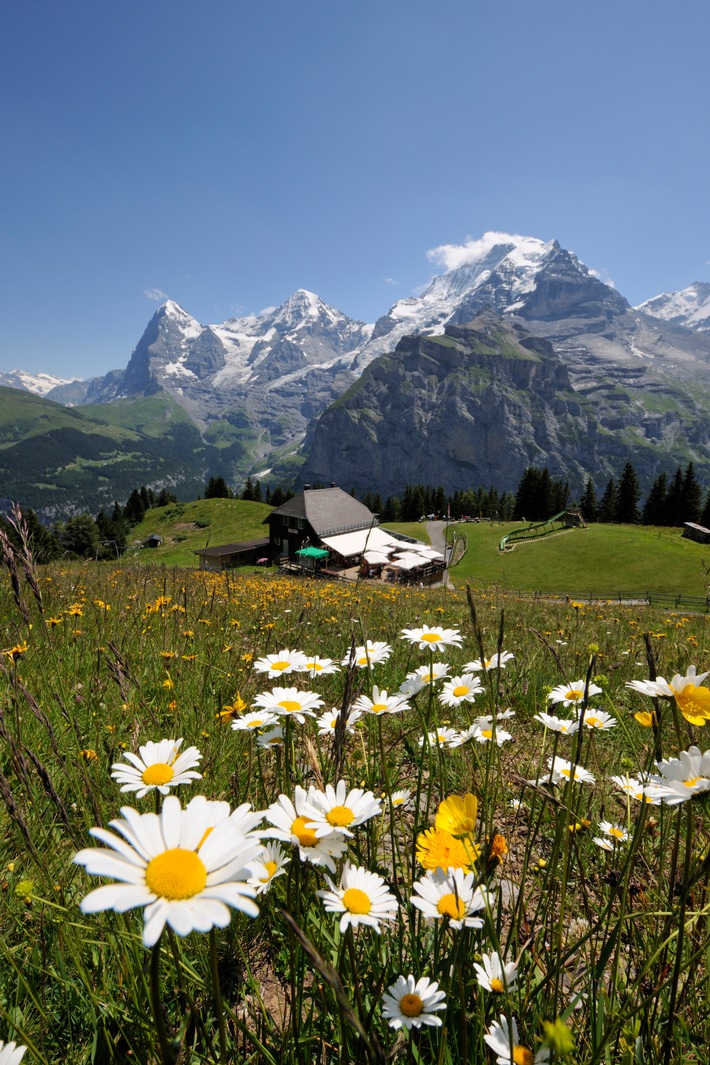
{"x":314,"y":515}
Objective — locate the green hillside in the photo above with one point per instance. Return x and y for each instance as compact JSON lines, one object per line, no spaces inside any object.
{"x":61,"y":460}
{"x":186,"y":527}
{"x":608,"y":559}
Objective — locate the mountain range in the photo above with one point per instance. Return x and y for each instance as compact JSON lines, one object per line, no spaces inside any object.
{"x":538,"y":361}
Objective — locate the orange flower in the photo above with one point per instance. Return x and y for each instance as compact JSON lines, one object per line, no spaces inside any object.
{"x":438,"y":849}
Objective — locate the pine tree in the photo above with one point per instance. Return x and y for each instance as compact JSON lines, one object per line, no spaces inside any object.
{"x":627,"y":497}
{"x":654,"y":509}
{"x":217,"y":488}
{"x":692,"y":498}
{"x":674,"y":500}
{"x":607,"y":504}
{"x":588,"y":502}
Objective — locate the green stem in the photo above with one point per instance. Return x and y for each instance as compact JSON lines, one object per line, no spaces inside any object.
{"x":167,"y":1055}
{"x":217,"y":992}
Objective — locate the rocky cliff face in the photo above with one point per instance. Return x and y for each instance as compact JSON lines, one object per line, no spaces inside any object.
{"x":480,"y":403}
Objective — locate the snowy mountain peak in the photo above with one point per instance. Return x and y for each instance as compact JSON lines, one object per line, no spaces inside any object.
{"x":689,"y":307}
{"x":38,"y":383}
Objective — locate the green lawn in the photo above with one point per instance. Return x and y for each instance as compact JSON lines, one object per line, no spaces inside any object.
{"x":607,"y":559}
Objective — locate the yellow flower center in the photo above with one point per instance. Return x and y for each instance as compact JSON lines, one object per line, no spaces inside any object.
{"x":281,"y":665}
{"x":451,"y":906}
{"x":487,"y":733}
{"x":176,"y":874}
{"x":271,"y":868}
{"x":430,"y":637}
{"x":593,"y":722}
{"x":305,"y":836}
{"x":692,"y":783}
{"x":363,"y":661}
{"x":315,"y":666}
{"x":574,"y":695}
{"x":158,"y":773}
{"x":618,"y":833}
{"x":411,"y":1005}
{"x":377,"y":708}
{"x":460,"y":690}
{"x":340,"y":816}
{"x":497,"y":985}
{"x":522,"y":1056}
{"x":290,"y":705}
{"x":254,"y":723}
{"x":356,"y":901}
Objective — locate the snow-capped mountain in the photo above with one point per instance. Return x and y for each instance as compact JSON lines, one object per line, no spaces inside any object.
{"x":689,"y":307}
{"x":38,"y":383}
{"x":254,"y":385}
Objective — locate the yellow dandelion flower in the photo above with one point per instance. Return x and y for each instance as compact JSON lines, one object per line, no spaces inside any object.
{"x":457,"y":814}
{"x":438,"y":849}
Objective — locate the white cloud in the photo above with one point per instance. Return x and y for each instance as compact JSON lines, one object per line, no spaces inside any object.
{"x":266,"y":310}
{"x":451,"y":256}
{"x":390,"y":281}
{"x":155,"y":294}
{"x":602,"y":275}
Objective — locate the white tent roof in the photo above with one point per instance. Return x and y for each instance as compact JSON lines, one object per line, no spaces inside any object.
{"x":355,"y":543}
{"x":410,"y":561}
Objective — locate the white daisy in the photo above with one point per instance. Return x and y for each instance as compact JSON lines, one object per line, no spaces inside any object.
{"x":661,"y":688}
{"x":599,"y":719}
{"x":380,"y":703}
{"x":451,"y":894}
{"x":683,"y":777}
{"x":419,"y":678}
{"x":463,"y":689}
{"x":290,"y":702}
{"x":254,"y":720}
{"x":157,"y":765}
{"x":487,"y":734}
{"x":408,"y":1003}
{"x":503,"y":1041}
{"x":186,"y":867}
{"x":273,"y":737}
{"x":496,"y":661}
{"x":371,"y":654}
{"x":11,"y":1053}
{"x":319,"y":667}
{"x":362,"y":897}
{"x":401,"y":797}
{"x":433,"y":638}
{"x":615,"y":833}
{"x":495,"y":974}
{"x":275,"y":665}
{"x":558,"y":724}
{"x":338,"y":810}
{"x":561,"y":770}
{"x":443,"y":737}
{"x":641,"y":789}
{"x":290,"y":821}
{"x":604,"y":842}
{"x":572,"y":694}
{"x":328,"y":721}
{"x":271,"y":862}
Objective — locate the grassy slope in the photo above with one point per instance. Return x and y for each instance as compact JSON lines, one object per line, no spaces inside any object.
{"x":602,"y":558}
{"x":221,"y":521}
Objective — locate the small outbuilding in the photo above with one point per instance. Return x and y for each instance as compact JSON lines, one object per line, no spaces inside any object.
{"x":699,"y":533}
{"x":227,"y":556}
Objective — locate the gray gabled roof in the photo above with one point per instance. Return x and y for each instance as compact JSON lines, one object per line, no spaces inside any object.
{"x":327,"y":511}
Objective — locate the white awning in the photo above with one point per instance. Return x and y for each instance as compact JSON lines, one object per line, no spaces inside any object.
{"x":356,"y":543}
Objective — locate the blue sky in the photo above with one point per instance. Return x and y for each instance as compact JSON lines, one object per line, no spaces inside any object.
{"x":224,"y":153}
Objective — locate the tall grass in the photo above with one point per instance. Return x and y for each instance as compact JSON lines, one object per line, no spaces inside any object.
{"x":611,"y":945}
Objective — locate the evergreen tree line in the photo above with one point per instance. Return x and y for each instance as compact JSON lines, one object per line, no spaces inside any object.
{"x":217,"y":488}
{"x":670,"y":501}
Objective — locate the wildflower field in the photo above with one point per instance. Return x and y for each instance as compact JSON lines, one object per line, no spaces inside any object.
{"x":251,"y":819}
